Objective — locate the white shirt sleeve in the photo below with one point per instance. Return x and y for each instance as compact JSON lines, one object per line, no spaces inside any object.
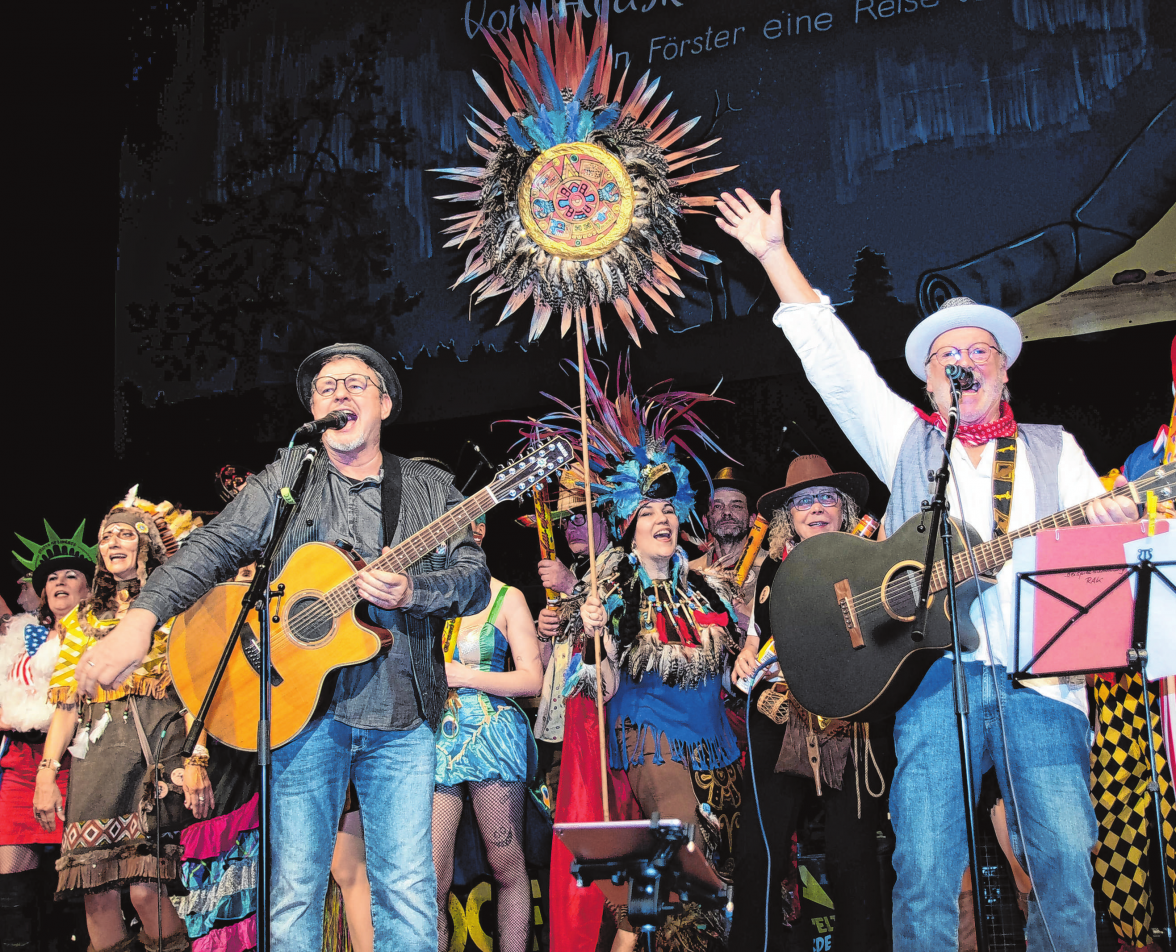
{"x":872,"y":416}
{"x":1077,"y":480}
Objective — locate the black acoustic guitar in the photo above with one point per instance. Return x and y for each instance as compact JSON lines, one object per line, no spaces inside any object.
{"x":842,"y":608}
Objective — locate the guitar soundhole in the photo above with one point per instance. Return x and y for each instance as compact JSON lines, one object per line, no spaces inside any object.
{"x":903,"y":592}
{"x":309,"y":620}
{"x":900,"y":590}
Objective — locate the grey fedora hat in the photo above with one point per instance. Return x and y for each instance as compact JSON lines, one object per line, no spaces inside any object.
{"x":310,"y":367}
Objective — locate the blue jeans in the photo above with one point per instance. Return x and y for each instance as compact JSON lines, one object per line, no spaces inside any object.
{"x":393,"y":774}
{"x":1049,"y":757}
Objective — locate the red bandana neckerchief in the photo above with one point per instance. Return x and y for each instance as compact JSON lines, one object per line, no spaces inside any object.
{"x":976,"y":434}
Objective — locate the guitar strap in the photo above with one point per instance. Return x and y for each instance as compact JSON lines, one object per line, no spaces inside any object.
{"x":1004,"y":466}
{"x":391,"y":491}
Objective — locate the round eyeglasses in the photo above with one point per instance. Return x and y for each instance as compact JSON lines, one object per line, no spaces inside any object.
{"x":826,"y":497}
{"x":353,"y":383}
{"x":978,"y":353}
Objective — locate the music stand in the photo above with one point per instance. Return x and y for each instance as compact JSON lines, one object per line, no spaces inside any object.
{"x":1134,"y":660}
{"x":655,"y":857}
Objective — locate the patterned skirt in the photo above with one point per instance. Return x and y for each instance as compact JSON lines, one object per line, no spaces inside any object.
{"x":482,"y":737}
{"x":219,"y":869}
{"x":110,"y":833}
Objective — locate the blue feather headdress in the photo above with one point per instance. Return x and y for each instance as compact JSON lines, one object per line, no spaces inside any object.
{"x":633,"y":443}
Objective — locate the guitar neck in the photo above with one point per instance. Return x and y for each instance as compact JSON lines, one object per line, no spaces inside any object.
{"x":991,"y":556}
{"x":345,"y":596}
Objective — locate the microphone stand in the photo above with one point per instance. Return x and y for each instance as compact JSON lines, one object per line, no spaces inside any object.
{"x":258,"y":599}
{"x":941,"y":524}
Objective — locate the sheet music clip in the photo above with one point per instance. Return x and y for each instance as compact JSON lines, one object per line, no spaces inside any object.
{"x":642,"y":862}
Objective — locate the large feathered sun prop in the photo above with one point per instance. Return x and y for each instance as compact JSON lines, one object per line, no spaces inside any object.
{"x":576,"y":206}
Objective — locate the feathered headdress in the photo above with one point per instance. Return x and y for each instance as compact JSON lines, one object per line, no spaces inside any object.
{"x":632,"y":442}
{"x":575,"y":204}
{"x":174,"y":525}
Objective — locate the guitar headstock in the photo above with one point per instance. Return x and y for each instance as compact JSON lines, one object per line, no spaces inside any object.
{"x":1161,"y":481}
{"x":524,"y":472}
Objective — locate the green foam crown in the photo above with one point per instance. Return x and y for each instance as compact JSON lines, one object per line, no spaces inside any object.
{"x":56,"y":548}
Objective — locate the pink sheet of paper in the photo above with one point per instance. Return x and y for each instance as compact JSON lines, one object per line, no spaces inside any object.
{"x":1099,"y":640}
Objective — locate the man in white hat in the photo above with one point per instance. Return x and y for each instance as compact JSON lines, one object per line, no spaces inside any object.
{"x":1035,"y":739}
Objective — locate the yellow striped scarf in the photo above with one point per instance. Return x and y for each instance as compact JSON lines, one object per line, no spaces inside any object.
{"x":150,"y":679}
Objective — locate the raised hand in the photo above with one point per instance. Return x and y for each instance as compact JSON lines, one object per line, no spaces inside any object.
{"x":758,"y":231}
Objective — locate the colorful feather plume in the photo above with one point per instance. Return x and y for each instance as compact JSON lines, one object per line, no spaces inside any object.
{"x":630,"y":438}
{"x":577,"y":205}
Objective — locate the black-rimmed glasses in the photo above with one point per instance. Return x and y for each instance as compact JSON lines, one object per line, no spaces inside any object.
{"x":354,"y":383}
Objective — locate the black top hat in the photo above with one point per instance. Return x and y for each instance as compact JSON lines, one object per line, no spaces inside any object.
{"x":732,"y":477}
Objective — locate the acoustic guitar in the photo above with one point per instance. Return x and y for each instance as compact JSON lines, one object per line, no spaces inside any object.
{"x":842,"y":607}
{"x":315,"y":627}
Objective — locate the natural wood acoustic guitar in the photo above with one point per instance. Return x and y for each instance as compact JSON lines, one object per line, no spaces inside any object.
{"x":315,"y":627}
{"x":842,"y":607}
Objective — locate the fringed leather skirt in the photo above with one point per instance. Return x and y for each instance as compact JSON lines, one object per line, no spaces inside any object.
{"x":110,"y":829}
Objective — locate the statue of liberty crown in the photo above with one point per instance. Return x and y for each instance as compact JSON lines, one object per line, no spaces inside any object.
{"x":57,"y":548}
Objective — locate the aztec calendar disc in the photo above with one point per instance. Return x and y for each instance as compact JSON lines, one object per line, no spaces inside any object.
{"x":576,"y":201}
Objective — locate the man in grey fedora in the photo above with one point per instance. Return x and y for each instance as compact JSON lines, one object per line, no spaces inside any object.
{"x":377,"y":731}
{"x":1036,"y":738}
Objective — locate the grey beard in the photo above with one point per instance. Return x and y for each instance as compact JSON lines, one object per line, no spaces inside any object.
{"x":348,"y":447}
{"x":727,"y":540}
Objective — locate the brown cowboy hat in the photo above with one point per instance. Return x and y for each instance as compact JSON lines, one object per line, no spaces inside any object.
{"x":813,"y":470}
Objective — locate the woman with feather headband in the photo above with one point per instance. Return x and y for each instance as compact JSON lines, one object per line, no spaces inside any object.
{"x":60,"y":574}
{"x":667,"y":631}
{"x":116,"y":804}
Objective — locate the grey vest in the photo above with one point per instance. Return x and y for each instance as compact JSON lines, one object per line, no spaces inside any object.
{"x":414,"y":494}
{"x":922,"y":450}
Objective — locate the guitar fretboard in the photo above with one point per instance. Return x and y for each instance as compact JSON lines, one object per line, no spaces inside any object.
{"x":990,"y":556}
{"x":345,"y":596}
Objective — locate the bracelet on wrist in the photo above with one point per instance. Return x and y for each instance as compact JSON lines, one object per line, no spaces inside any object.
{"x":48,"y":763}
{"x":197,"y":760}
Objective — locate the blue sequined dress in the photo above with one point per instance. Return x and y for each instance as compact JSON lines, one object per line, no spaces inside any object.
{"x":483,"y":736}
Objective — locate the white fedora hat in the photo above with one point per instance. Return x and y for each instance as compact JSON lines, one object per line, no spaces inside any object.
{"x":961,"y":312}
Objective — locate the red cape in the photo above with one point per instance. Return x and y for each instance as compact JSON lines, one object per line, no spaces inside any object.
{"x":575,"y":912}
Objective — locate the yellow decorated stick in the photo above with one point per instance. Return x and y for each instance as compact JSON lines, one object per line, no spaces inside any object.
{"x":546,"y":531}
{"x":449,"y":638}
{"x":755,"y":540}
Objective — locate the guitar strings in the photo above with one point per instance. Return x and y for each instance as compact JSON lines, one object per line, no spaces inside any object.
{"x":340,"y":599}
{"x":872,"y":599}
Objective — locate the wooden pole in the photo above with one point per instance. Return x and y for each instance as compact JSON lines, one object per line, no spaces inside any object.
{"x":592,"y":564}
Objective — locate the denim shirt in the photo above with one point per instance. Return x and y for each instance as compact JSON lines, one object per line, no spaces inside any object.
{"x":377,"y":694}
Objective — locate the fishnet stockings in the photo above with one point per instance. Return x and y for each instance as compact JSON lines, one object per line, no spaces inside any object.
{"x":498,"y":806}
{"x":16,"y":859}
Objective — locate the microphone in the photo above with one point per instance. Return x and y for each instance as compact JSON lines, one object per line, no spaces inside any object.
{"x":960,"y":377}
{"x":335,"y":420}
{"x":482,"y":456}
